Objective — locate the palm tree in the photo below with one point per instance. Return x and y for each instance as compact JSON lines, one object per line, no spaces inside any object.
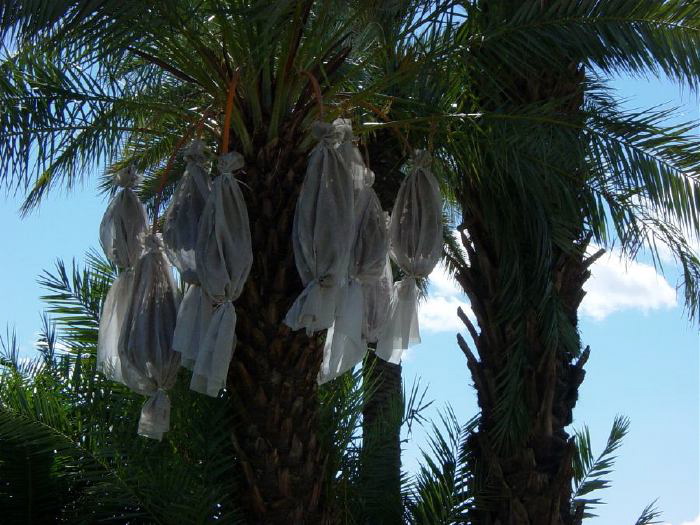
{"x":67,"y":447}
{"x":532,"y":132}
{"x":551,"y":168}
{"x":422,"y":105}
{"x":441,"y":491}
{"x":93,"y":84}
{"x":67,"y":433}
{"x":68,"y":453}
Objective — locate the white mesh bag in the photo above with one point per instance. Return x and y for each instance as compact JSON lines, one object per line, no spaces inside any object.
{"x":322,"y":233}
{"x":122,"y":232}
{"x":224,"y":257}
{"x":362,"y":176}
{"x":149,"y":364}
{"x":124,"y":222}
{"x":377,"y":295}
{"x":180,"y":233}
{"x":111,"y":322}
{"x":415,"y":236}
{"x":370,"y":246}
{"x":181,"y":221}
{"x":193,"y":319}
{"x":345,"y":345}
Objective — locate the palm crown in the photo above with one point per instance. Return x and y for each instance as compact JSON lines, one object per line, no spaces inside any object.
{"x":536,"y":156}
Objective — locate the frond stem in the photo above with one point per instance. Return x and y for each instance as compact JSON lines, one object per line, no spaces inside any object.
{"x":317,"y":92}
{"x":229,"y":111}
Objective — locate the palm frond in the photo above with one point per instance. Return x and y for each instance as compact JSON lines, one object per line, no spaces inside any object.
{"x":75,"y":299}
{"x":590,"y":471}
{"x":615,"y":36}
{"x":64,"y":414}
{"x":440,"y":492}
{"x":649,"y":515}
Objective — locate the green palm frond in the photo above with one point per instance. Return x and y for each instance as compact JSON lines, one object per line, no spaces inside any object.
{"x":75,"y":299}
{"x":641,"y":189}
{"x":638,"y":155}
{"x":590,"y":471}
{"x":635,"y":37}
{"x":144,"y":76}
{"x":440,"y":493}
{"x":649,"y":515}
{"x":107,"y":471}
{"x":62,"y":413}
{"x":352,"y":457}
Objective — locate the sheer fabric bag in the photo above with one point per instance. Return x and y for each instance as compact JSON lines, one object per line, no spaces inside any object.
{"x":148,"y":362}
{"x":362,"y":176}
{"x":122,"y":232}
{"x":322,"y":233}
{"x":180,"y":234}
{"x":111,"y":323}
{"x":181,"y":221}
{"x":124,"y":222}
{"x":345,"y":345}
{"x":415,"y":234}
{"x":224,"y":257}
{"x":377,"y":305}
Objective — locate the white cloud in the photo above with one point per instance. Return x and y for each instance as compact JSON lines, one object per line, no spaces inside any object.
{"x":618,"y":284}
{"x":615,"y":285}
{"x":696,"y":521}
{"x":438,"y":313}
{"x":442,"y":284}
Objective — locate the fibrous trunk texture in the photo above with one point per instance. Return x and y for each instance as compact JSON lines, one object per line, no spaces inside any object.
{"x":272,"y":378}
{"x":528,"y":483}
{"x":526,"y":370}
{"x":383,"y":402}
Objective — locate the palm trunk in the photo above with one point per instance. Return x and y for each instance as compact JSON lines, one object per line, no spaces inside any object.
{"x":381,"y":433}
{"x":383,"y":403}
{"x":525,"y":478}
{"x":272,"y":378}
{"x":528,"y":483}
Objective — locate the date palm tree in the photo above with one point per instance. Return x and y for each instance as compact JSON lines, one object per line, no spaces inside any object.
{"x":68,"y":453}
{"x":551,"y":171}
{"x":543,"y":163}
{"x":92,"y":84}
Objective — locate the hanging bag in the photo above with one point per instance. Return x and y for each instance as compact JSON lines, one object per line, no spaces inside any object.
{"x":224,"y":257}
{"x":322,"y":233}
{"x":111,"y":323}
{"x":122,"y":231}
{"x":345,"y":345}
{"x":377,"y":305}
{"x":148,"y":362}
{"x":124,"y":222}
{"x":415,"y":234}
{"x":180,"y":233}
{"x":181,"y":221}
{"x":362,"y":176}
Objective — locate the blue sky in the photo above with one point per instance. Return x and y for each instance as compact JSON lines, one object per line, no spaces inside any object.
{"x":644,"y":359}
